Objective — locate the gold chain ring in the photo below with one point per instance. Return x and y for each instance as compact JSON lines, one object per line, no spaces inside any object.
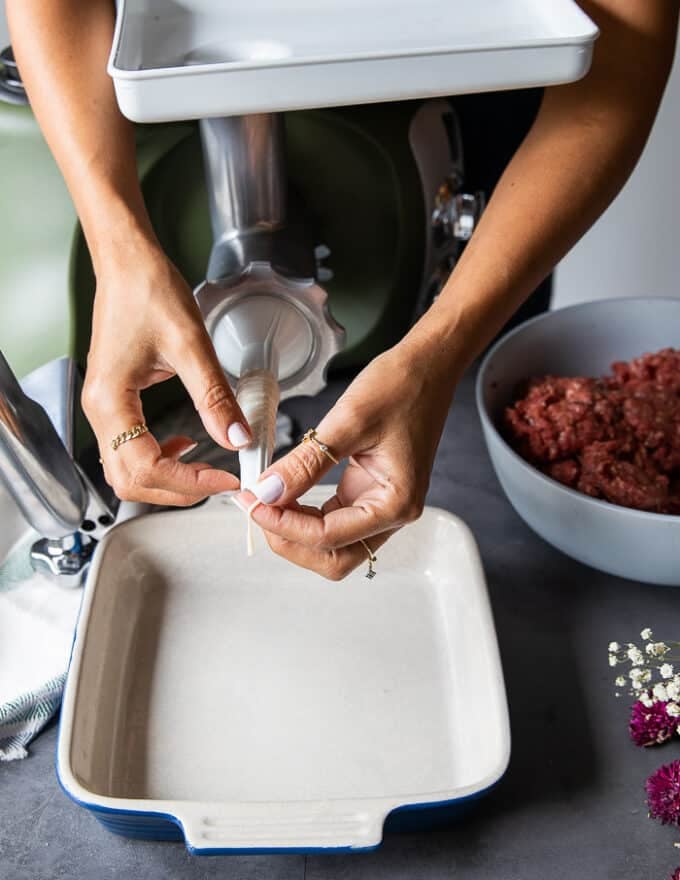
{"x":131,"y":434}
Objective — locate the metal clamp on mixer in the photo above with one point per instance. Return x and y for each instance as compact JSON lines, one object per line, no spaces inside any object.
{"x":38,"y":469}
{"x":267,"y":315}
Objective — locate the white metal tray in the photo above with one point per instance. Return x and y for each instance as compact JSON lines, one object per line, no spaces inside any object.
{"x":256,"y":706}
{"x":196,"y":58}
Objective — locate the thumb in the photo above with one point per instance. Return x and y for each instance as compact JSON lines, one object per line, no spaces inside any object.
{"x":304,"y":466}
{"x":203,"y":377}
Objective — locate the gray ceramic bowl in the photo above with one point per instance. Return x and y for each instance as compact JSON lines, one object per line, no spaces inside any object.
{"x":582,"y":340}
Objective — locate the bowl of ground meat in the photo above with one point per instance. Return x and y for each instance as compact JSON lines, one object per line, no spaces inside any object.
{"x":580,"y":410}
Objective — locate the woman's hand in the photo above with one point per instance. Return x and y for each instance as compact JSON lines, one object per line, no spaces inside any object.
{"x":388,"y":423}
{"x":147,"y":328}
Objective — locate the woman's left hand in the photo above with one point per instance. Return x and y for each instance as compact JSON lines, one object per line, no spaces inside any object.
{"x":388,"y":423}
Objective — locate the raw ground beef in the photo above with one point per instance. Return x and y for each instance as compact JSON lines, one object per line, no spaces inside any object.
{"x":616,"y":437}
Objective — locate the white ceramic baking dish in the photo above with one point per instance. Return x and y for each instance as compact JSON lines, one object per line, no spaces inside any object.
{"x":195,"y":58}
{"x":243,"y":704}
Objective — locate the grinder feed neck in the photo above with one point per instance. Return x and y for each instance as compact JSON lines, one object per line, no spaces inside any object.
{"x":244,"y":159}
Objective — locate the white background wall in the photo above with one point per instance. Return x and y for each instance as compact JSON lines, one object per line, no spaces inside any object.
{"x":634,"y":249}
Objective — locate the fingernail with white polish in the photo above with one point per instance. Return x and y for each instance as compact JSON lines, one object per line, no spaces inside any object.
{"x":237,"y":435}
{"x":187,"y":450}
{"x":268,"y":490}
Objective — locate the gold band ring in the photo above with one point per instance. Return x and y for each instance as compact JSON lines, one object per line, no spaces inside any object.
{"x":371,"y":573}
{"x":310,"y":436}
{"x":131,"y":434}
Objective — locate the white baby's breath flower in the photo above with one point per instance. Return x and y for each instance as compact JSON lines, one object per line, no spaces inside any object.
{"x":673,"y":690}
{"x":620,"y":681}
{"x":656,"y":649}
{"x":641,"y":676}
{"x":614,"y":647}
{"x":612,"y":660}
{"x":636,"y":684}
{"x":646,"y":633}
{"x":646,"y":700}
{"x":635,"y":655}
{"x":666,"y":670}
{"x":660,"y":692}
{"x":673,"y":710}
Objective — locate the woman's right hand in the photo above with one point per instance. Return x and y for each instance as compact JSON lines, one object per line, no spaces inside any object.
{"x":148,"y":328}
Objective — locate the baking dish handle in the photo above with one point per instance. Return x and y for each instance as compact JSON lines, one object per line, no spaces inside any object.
{"x":270,"y":826}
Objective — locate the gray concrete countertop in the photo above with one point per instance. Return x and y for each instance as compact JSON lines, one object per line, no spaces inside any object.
{"x":571,"y":804}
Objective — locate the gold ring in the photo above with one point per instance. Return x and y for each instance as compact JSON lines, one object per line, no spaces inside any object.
{"x":371,"y":573}
{"x":311,"y":436}
{"x":131,"y":434}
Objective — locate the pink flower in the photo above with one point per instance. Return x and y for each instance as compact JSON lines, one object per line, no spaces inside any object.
{"x":675,"y":875}
{"x":663,"y":794}
{"x":650,"y":725}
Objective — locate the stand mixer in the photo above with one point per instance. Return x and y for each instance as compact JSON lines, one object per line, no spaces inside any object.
{"x":374,"y":160}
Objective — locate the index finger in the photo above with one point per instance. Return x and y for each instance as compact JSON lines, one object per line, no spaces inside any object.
{"x":367,"y":516}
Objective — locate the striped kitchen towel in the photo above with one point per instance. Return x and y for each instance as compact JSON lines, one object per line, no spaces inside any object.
{"x":23,"y":718}
{"x":37,"y":622}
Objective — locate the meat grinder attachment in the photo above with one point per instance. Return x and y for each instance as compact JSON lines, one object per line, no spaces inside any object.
{"x":266,"y":314}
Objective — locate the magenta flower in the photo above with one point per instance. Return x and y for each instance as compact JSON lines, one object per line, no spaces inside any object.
{"x":676,"y":874}
{"x":663,"y":794}
{"x":650,"y":725}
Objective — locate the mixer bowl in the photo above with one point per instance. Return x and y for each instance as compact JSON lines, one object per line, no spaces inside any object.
{"x":581,"y":340}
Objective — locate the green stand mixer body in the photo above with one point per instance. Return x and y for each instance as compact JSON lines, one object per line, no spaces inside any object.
{"x":350,"y":170}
